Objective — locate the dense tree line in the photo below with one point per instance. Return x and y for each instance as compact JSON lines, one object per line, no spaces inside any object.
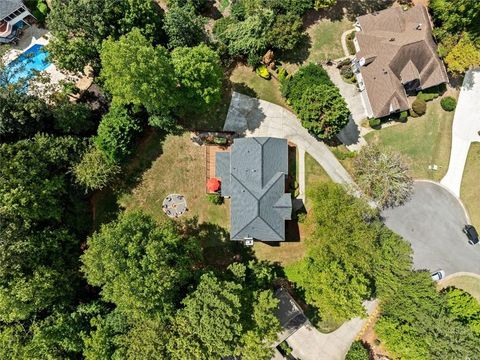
{"x":458,"y":32}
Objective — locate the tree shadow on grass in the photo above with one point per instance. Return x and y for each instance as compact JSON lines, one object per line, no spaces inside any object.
{"x":244,"y":89}
{"x":299,"y":54}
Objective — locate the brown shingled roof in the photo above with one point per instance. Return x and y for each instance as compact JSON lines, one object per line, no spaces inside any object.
{"x":402,"y":48}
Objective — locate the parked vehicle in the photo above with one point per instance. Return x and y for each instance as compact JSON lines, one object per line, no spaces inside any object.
{"x":472,"y":234}
{"x":438,"y":275}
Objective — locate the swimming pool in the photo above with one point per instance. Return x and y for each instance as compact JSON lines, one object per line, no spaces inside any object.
{"x":33,"y":59}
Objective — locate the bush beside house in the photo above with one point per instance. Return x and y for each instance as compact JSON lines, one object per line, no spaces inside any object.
{"x":419,"y":107}
{"x":448,"y":103}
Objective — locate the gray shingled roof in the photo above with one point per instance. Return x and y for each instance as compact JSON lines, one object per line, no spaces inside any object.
{"x":253,"y":175}
{"x":8,"y":6}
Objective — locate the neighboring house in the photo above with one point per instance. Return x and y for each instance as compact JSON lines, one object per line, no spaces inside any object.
{"x":396,"y":56}
{"x":253,"y":174}
{"x":13,"y":16}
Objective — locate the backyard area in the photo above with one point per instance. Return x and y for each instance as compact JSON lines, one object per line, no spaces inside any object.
{"x":470,"y":190}
{"x":425,"y":140}
{"x":180,"y":169}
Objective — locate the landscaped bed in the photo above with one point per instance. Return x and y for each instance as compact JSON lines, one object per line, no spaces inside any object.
{"x":426,"y":140}
{"x":470,"y":189}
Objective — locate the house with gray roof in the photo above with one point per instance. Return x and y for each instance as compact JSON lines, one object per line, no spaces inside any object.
{"x":13,"y":15}
{"x":396,"y":56}
{"x":253,"y":174}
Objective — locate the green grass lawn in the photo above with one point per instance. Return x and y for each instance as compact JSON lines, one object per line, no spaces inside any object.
{"x":179,"y":169}
{"x":325,"y":40}
{"x":246,"y":81}
{"x":470,"y":190}
{"x":424,"y":140}
{"x":467,"y":283}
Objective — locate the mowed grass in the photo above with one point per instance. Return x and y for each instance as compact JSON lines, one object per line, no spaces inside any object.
{"x":246,"y":81}
{"x":293,"y":250}
{"x":470,"y":189}
{"x":326,"y":41}
{"x":180,"y":169}
{"x":425,"y":140}
{"x":467,"y":283}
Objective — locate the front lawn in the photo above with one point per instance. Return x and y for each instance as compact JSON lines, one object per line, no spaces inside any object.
{"x":467,"y":283}
{"x":470,"y":189}
{"x":179,"y":169}
{"x":425,"y":140}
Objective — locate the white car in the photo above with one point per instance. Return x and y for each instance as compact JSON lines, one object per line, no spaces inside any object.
{"x":438,"y":275}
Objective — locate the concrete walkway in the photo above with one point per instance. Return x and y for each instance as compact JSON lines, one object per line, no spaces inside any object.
{"x":466,"y":124}
{"x":308,"y":343}
{"x":249,"y":116}
{"x":301,"y":174}
{"x":352,"y":134}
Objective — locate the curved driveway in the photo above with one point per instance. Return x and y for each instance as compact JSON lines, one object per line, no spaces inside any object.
{"x":432,"y":222}
{"x":465,"y":129}
{"x":249,"y":116}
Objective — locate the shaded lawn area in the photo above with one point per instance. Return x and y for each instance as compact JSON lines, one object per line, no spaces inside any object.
{"x":425,"y":140}
{"x":246,"y":81}
{"x":470,"y":189}
{"x":290,"y":252}
{"x":180,"y":169}
{"x":467,"y":283}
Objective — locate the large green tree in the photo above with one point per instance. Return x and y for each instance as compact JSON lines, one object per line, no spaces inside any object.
{"x":209,"y":325}
{"x":140,"y":266}
{"x":116,"y":134}
{"x":137,"y":73}
{"x":199,"y":75}
{"x":79,"y":27}
{"x":183,"y":26}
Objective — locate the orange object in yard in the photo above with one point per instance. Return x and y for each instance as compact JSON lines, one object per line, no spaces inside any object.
{"x":213,"y":185}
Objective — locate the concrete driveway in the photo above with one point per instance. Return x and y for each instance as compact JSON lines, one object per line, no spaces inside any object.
{"x":466,"y":124}
{"x":308,"y":343}
{"x":432,"y":222}
{"x":248,"y":116}
{"x":352,"y":134}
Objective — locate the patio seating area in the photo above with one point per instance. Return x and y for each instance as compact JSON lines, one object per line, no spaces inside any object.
{"x":174,"y":205}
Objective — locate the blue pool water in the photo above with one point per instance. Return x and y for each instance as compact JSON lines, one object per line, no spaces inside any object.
{"x":34,"y":58}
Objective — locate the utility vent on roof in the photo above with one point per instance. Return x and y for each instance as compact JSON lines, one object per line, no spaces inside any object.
{"x":419,"y":26}
{"x":392,"y":39}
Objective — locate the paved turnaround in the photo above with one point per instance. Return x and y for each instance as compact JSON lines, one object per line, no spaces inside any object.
{"x":249,"y":116}
{"x":465,"y":128}
{"x":432,"y":222}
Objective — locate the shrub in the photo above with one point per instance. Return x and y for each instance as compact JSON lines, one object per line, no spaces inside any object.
{"x":419,"y":106}
{"x":374,"y":122}
{"x":94,"y":171}
{"x":282,"y":73}
{"x":215,"y":199}
{"x":403,"y":116}
{"x":357,"y":352}
{"x":342,"y":155}
{"x":448,"y":103}
{"x":427,"y":96}
{"x":263,"y":72}
{"x":350,"y":44}
{"x":346,"y":72}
